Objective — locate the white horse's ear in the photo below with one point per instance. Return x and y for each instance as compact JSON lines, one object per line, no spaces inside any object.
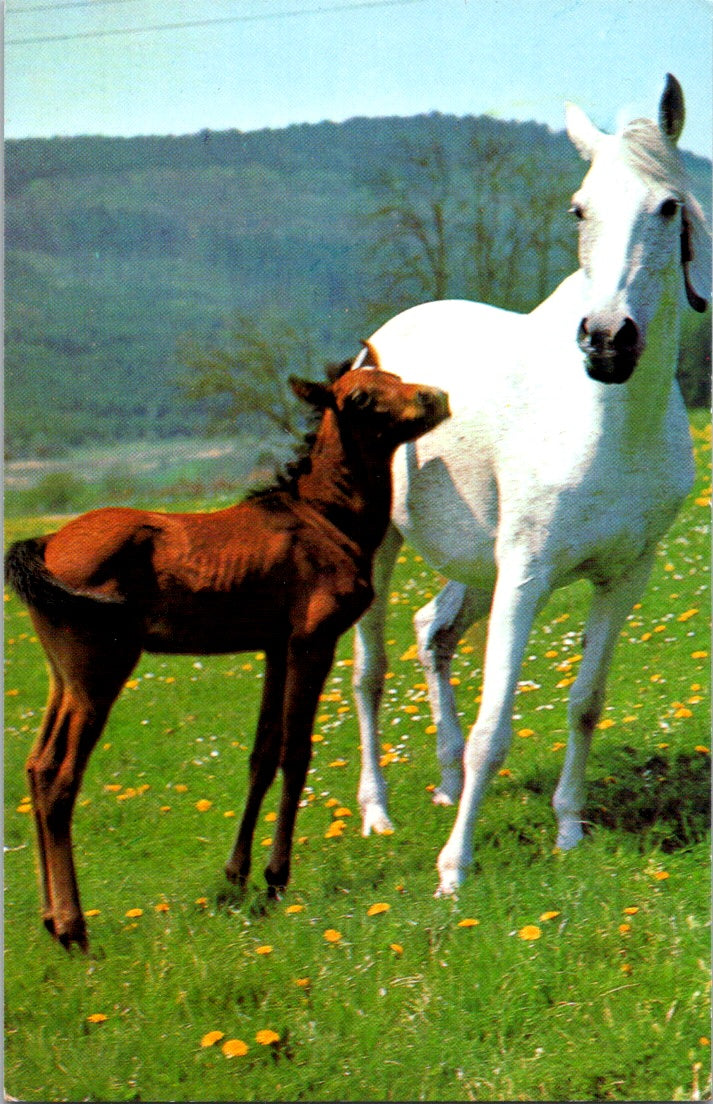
{"x":582,"y":131}
{"x":672,"y":110}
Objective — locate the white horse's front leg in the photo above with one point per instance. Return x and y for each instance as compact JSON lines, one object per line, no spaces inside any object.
{"x":519,"y":593}
{"x":368,"y":684}
{"x":439,"y":626}
{"x":610,"y":606}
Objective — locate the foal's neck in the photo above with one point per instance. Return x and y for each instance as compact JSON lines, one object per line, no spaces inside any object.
{"x":350,"y":489}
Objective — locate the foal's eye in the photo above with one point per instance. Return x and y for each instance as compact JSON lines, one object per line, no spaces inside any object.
{"x":578,"y":211}
{"x":361,"y":400}
{"x":668,"y":209}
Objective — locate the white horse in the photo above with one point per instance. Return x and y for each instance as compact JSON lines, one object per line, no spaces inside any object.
{"x":567,"y":454}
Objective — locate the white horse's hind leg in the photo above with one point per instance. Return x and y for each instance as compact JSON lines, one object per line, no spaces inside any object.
{"x":368,"y":683}
{"x":519,"y":594}
{"x":610,"y":606}
{"x":439,"y":626}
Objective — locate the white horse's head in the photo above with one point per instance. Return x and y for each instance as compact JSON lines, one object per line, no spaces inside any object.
{"x":641,"y":234}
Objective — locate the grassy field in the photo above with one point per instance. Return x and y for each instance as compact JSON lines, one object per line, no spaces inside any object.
{"x":582,"y":976}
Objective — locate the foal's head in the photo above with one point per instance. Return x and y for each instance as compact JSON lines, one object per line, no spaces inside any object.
{"x":376,"y":409}
{"x":641,"y":233}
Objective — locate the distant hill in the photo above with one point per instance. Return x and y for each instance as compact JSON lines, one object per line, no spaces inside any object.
{"x":117,"y":247}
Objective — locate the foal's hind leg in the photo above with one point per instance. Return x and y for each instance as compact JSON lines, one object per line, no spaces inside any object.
{"x":92,"y":674}
{"x":439,"y":626}
{"x":49,"y":722}
{"x":263,"y":764}
{"x":368,"y":683}
{"x":610,"y":606}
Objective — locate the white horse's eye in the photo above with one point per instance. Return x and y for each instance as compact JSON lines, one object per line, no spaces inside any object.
{"x":668,"y":208}
{"x":578,"y":211}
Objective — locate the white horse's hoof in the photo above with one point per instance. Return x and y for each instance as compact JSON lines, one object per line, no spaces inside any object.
{"x":451,"y":786}
{"x":569,"y":835}
{"x":440,"y":797}
{"x":376,"y":820}
{"x":451,"y":878}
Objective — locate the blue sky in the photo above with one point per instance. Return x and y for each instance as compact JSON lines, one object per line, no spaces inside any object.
{"x":268,"y":63}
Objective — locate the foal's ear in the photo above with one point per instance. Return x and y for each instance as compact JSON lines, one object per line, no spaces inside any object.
{"x":672,"y":111}
{"x":316,"y":394}
{"x":582,"y":131}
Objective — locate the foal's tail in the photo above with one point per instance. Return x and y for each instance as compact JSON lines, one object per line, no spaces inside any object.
{"x":32,"y":581}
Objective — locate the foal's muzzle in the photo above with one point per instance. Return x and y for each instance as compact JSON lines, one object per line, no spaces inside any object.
{"x":611,"y":351}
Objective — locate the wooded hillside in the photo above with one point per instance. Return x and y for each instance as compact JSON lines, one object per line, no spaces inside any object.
{"x":117,"y":248}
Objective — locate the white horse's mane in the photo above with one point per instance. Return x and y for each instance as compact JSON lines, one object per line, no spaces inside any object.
{"x":656,"y":159}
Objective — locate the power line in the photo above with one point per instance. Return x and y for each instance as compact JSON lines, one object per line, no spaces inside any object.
{"x":68,"y":4}
{"x":323,"y":9}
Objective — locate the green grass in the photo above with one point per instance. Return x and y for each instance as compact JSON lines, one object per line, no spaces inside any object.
{"x":587,"y":1011}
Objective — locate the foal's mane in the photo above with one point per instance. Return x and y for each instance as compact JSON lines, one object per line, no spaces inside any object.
{"x":285,"y":480}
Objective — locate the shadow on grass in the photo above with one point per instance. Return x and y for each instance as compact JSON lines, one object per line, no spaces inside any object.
{"x":667,"y":798}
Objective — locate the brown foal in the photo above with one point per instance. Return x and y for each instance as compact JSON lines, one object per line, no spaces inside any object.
{"x":285,"y":572}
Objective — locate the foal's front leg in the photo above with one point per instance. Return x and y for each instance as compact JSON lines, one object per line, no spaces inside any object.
{"x":308,"y":663}
{"x":263,"y":764}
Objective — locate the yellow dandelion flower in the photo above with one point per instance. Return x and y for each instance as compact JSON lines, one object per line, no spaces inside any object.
{"x":704,"y":1041}
{"x":703,"y":749}
{"x":558,"y":745}
{"x":266,"y":949}
{"x":267,"y":842}
{"x":342,"y":812}
{"x":234,"y":1048}
{"x":699,"y":655}
{"x":96,"y":1017}
{"x":626,"y":968}
{"x":624,"y":928}
{"x":181,"y":787}
{"x":112,"y":787}
{"x":317,"y":738}
{"x":505,"y":772}
{"x":683,"y":711}
{"x":302,"y":982}
{"x":396,"y":948}
{"x":92,"y":912}
{"x":266,"y":1037}
{"x":377,"y":909}
{"x":203,"y":805}
{"x":631,"y":910}
{"x":687,"y":615}
{"x":162,"y":906}
{"x":468,"y":922}
{"x":294,"y":908}
{"x":606,"y":723}
{"x":431,"y":730}
{"x":525,"y":732}
{"x":202,"y":902}
{"x":269,"y":818}
{"x":211,"y":1038}
{"x":132,"y":912}
{"x":331,"y":802}
{"x":25,"y":807}
{"x":332,"y":935}
{"x":338,"y":763}
{"x":530,"y":932}
{"x":229,"y":813}
{"x":565,"y":682}
{"x":549,"y":915}
{"x":661,"y":875}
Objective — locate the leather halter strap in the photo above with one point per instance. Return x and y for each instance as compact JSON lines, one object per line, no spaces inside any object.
{"x":696,"y":301}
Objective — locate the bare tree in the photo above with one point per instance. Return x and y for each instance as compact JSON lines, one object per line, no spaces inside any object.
{"x":245,"y":374}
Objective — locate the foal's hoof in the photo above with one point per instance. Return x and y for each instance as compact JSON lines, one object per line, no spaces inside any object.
{"x":72,"y":932}
{"x":375,"y":819}
{"x":237,"y":875}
